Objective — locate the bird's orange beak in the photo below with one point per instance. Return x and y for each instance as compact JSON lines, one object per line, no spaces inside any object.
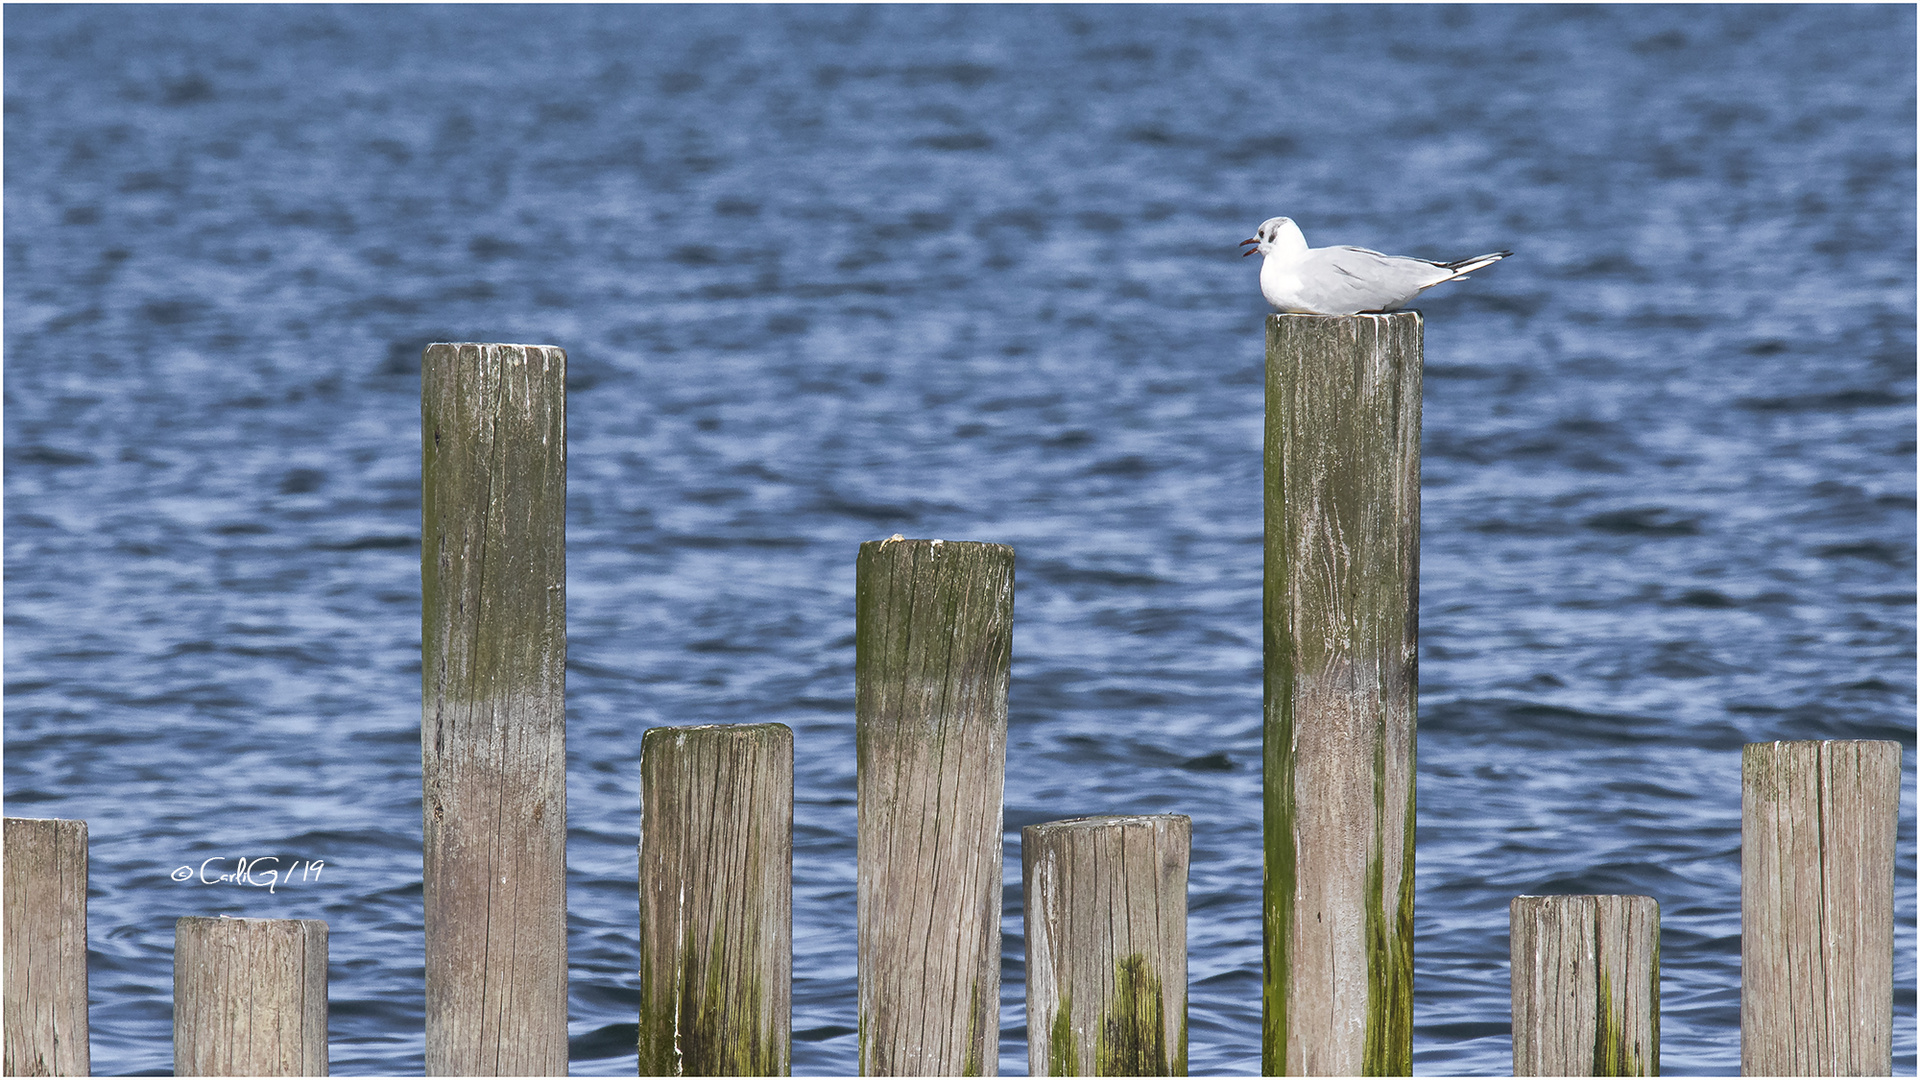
{"x":1251,"y":250}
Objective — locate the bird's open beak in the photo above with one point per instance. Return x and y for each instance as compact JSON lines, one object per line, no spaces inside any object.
{"x":1251,"y":250}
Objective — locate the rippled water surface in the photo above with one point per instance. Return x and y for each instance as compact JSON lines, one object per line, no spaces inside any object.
{"x":827,"y":274}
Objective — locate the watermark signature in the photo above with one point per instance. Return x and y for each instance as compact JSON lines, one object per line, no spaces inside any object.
{"x":260,"y":873}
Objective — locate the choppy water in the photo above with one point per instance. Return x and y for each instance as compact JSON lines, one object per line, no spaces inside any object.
{"x":826,"y":274}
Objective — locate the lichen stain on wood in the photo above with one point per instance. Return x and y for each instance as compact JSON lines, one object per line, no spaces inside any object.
{"x":1613,"y":1054}
{"x":976,"y":1019}
{"x":1132,"y":1038}
{"x":722,"y":1026}
{"x":493,"y":493}
{"x":1063,"y":1052}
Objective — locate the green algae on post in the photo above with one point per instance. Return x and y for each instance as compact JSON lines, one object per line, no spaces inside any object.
{"x":1133,"y":1032}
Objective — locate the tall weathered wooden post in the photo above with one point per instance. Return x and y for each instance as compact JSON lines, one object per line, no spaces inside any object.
{"x":1340,"y":613}
{"x":1818,"y":823}
{"x":933,"y":651}
{"x":493,"y":428}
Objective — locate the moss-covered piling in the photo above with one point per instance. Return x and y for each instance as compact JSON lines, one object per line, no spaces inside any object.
{"x":1340,"y":627}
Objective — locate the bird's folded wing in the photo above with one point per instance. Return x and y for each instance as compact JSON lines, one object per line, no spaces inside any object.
{"x":1343,"y":280}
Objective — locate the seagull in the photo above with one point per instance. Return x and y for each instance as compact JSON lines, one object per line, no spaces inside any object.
{"x":1344,"y":280}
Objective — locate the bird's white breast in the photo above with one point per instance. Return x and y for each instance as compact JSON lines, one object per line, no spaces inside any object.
{"x":1280,"y":284}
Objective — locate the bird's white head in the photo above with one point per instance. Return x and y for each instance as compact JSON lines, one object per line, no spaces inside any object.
{"x":1276,"y":233}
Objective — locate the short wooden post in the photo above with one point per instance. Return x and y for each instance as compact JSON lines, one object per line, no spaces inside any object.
{"x":492,"y":728}
{"x":1106,"y":916}
{"x":716,"y":900}
{"x":933,"y":647}
{"x":1586,"y":985}
{"x":1341,"y":603}
{"x":249,"y":997}
{"x":45,"y":869}
{"x":1817,"y":827}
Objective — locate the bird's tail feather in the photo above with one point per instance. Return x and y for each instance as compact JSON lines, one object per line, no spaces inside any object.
{"x":1468,"y":266}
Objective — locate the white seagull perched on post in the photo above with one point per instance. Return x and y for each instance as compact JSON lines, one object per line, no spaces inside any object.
{"x":1344,"y":280}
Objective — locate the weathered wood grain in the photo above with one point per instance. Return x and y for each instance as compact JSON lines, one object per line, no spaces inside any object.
{"x":45,"y":873}
{"x":1817,"y":828}
{"x":1106,"y":919}
{"x":933,"y":647}
{"x":716,"y":900}
{"x":250,"y":997}
{"x":492,"y":729}
{"x":1340,"y":614}
{"x":1586,"y":985}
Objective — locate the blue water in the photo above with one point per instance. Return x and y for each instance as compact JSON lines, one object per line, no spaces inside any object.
{"x":827,"y":274}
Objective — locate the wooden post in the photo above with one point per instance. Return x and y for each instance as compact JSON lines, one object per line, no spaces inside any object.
{"x":1586,"y":985}
{"x":933,"y":646}
{"x":45,"y":869}
{"x":1106,"y":915}
{"x":1817,"y":826}
{"x":249,"y":997}
{"x":1341,"y":603}
{"x":716,"y":900}
{"x":492,"y":727}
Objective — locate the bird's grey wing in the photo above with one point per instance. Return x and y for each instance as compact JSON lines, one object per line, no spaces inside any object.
{"x":1348,"y":279}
